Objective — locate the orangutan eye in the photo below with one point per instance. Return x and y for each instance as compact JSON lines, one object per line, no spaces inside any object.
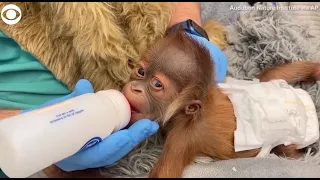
{"x":141,"y":72}
{"x":156,"y":84}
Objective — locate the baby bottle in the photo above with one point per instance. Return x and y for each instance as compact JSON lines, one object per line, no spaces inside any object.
{"x":34,"y":140}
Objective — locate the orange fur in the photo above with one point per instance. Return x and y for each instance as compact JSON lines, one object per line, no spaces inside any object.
{"x":213,"y":133}
{"x":220,"y":124}
{"x":292,"y":73}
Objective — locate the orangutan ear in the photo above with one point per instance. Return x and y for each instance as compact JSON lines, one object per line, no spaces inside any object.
{"x":193,"y":107}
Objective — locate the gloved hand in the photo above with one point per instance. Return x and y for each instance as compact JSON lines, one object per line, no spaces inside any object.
{"x":219,"y":57}
{"x":111,"y":149}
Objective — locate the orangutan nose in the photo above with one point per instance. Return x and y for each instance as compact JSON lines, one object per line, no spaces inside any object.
{"x":137,"y":89}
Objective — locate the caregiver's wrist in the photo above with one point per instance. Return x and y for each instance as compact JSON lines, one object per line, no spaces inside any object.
{"x":5,"y":113}
{"x":184,"y":11}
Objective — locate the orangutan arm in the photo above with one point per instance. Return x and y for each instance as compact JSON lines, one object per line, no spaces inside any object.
{"x":293,"y":72}
{"x":178,"y":152}
{"x":184,"y":11}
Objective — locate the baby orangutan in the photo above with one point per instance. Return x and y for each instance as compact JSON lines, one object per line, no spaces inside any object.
{"x":174,"y":85}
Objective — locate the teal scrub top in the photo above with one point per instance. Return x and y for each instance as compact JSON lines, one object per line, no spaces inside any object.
{"x":24,"y":81}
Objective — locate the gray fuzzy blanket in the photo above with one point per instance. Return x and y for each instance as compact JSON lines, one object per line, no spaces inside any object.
{"x":257,"y":39}
{"x":261,"y":39}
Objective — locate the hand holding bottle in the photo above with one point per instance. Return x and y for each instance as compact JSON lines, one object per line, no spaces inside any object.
{"x":111,"y":149}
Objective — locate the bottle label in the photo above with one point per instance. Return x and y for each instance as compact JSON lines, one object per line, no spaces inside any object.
{"x":90,"y":143}
{"x":66,"y":114}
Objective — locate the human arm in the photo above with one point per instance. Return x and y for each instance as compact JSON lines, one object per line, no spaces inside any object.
{"x":5,"y":113}
{"x":184,"y":11}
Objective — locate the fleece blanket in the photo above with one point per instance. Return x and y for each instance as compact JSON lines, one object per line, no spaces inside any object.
{"x":253,"y":168}
{"x":221,"y":11}
{"x":306,"y":13}
{"x":257,"y":39}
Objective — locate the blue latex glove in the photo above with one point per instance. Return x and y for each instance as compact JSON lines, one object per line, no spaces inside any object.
{"x":111,"y":149}
{"x":219,"y":57}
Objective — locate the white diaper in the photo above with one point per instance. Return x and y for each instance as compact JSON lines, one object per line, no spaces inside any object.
{"x":271,"y":113}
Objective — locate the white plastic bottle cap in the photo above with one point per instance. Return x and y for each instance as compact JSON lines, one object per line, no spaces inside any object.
{"x":122,"y":105}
